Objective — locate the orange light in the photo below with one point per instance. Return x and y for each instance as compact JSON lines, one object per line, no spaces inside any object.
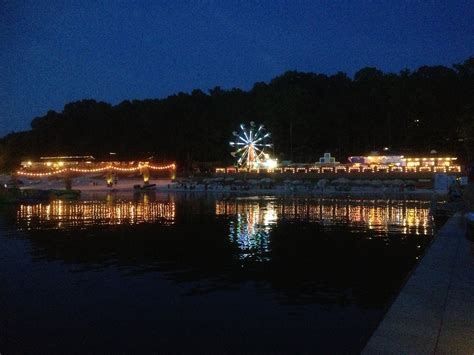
{"x":95,"y":170}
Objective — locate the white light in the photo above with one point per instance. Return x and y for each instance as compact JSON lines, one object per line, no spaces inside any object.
{"x":270,"y":163}
{"x":250,"y":145}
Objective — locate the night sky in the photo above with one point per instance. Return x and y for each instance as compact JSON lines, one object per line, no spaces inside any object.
{"x":55,"y":52}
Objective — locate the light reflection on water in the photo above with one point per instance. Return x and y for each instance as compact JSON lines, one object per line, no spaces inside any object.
{"x":251,"y":225}
{"x":329,"y":262}
{"x":65,"y":214}
{"x":381,"y":216}
{"x":252,"y":220}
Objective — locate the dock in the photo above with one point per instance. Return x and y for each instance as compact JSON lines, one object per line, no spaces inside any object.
{"x":434,"y":312}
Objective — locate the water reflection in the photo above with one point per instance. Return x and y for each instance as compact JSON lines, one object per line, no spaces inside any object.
{"x":306,"y":250}
{"x":66,"y":214}
{"x":250,"y":228}
{"x":380,"y":216}
{"x":297,"y":263}
{"x":251,"y":221}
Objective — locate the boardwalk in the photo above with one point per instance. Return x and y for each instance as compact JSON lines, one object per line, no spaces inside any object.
{"x":434,"y":312}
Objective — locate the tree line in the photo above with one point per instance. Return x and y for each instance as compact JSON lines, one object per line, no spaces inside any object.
{"x":411,"y":112}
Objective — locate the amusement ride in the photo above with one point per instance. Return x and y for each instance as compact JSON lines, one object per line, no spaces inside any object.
{"x":249,"y":145}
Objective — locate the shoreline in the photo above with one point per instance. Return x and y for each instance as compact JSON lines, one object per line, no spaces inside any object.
{"x":429,"y":195}
{"x":91,"y":186}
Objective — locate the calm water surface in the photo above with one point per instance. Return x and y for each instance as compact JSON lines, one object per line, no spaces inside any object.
{"x":203,"y":274}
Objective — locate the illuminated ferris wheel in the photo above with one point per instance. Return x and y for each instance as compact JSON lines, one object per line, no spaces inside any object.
{"x":249,"y":147}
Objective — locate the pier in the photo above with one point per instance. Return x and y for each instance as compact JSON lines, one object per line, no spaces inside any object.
{"x":434,"y":312}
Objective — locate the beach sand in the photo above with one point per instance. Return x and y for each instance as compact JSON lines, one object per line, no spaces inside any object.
{"x":126,"y":185}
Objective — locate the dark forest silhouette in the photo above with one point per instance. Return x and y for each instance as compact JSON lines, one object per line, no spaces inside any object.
{"x":431,"y":108}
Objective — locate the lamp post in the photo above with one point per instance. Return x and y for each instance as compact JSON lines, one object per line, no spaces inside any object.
{"x":146,"y":175}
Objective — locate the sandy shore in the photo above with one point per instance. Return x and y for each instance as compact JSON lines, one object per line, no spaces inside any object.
{"x":126,"y":185}
{"x":89,"y":184}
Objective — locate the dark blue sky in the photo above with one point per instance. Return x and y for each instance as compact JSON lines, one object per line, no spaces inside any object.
{"x":54,"y":52}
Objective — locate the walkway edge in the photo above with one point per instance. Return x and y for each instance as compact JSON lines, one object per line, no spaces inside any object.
{"x":425,"y":316}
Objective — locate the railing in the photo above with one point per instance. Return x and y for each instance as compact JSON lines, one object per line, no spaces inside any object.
{"x":341,"y":169}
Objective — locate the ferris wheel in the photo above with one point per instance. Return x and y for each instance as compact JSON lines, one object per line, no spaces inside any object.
{"x":250,"y":144}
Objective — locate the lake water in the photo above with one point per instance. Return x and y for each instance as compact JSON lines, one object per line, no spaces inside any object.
{"x":203,"y":273}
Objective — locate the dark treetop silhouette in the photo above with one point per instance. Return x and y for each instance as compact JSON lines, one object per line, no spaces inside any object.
{"x":307,"y":113}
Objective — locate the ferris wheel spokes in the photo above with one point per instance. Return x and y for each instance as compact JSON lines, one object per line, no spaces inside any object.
{"x":250,"y":145}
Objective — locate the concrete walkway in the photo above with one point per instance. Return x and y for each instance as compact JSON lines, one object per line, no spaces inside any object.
{"x":434,"y":312}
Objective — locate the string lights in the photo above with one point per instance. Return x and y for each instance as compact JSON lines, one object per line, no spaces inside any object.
{"x":50,"y":173}
{"x":97,"y":170}
{"x":348,"y":169}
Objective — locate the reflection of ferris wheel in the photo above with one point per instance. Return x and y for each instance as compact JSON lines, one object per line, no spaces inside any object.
{"x":250,"y":144}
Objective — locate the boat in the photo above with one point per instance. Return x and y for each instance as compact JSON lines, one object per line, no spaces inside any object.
{"x":146,"y":187}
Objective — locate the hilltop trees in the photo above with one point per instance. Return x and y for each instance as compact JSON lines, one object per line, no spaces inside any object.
{"x":307,"y":113}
